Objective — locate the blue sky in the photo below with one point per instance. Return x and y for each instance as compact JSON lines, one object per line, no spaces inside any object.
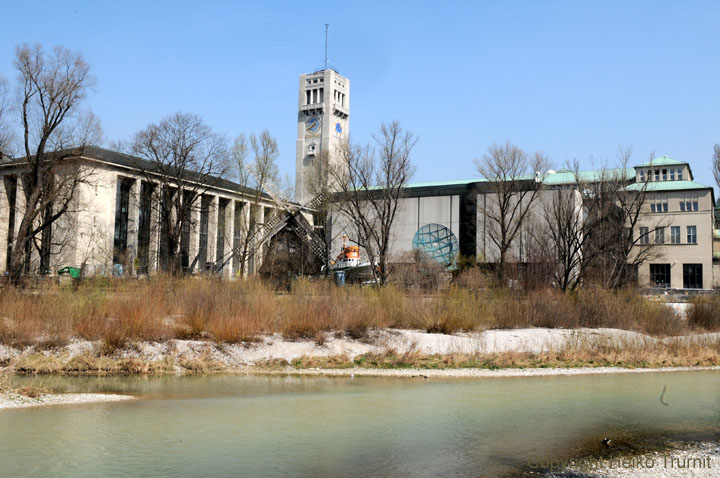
{"x":574,"y":79}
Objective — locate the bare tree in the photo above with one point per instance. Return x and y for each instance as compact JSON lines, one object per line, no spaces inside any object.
{"x":186,"y":158}
{"x":573,"y":224}
{"x":515,"y":182}
{"x":320,"y":186}
{"x":6,"y":135}
{"x":565,"y":231}
{"x":51,"y":90}
{"x":370,"y":182}
{"x":264,"y":170}
{"x":256,"y":176}
{"x":716,"y":163}
{"x":617,"y":207}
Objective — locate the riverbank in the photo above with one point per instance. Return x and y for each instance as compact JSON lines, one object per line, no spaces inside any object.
{"x":19,"y":400}
{"x":677,"y":460}
{"x":564,"y":351}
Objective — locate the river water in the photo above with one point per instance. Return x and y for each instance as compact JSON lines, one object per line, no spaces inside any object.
{"x":265,"y":426}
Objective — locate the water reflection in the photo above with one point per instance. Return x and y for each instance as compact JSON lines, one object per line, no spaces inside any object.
{"x":230,"y":425}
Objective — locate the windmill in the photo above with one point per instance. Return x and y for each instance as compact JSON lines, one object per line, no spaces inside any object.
{"x":287,"y":212}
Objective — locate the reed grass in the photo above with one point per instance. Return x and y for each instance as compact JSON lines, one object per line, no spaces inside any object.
{"x":118,"y":312}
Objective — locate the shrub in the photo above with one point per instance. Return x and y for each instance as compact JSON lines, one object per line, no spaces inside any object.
{"x":704,"y":312}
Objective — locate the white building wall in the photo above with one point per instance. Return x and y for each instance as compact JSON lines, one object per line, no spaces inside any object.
{"x":4,"y":222}
{"x":412,"y":213}
{"x":332,"y":114}
{"x":683,"y":253}
{"x":87,"y":230}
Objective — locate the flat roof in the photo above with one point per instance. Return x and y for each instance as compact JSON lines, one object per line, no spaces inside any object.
{"x":667,"y":186}
{"x":663,"y":161}
{"x":458,"y":182}
{"x":565,"y":176}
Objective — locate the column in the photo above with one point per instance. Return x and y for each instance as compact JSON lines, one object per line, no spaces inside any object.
{"x":213,"y":208}
{"x":194,"y":235}
{"x":4,"y":223}
{"x":132,"y":226}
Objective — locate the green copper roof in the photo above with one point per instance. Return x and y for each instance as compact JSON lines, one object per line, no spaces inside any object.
{"x":565,"y":176}
{"x":663,"y":161}
{"x":459,"y":182}
{"x":668,"y":186}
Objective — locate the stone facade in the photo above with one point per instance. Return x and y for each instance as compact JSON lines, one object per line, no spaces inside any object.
{"x":113,"y":226}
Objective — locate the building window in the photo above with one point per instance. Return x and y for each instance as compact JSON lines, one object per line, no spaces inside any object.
{"x":692,"y":235}
{"x":642,"y":175}
{"x":122,"y":211}
{"x":11,"y":190}
{"x":660,"y":235}
{"x":675,"y":234}
{"x":204,"y":222}
{"x":664,"y":174}
{"x":672,"y":174}
{"x":185,"y":232}
{"x":144,"y":214}
{"x":659,"y":205}
{"x":220,"y":245}
{"x":657,"y":175}
{"x":689,"y":203}
{"x":660,"y":275}
{"x":679,"y":175}
{"x":644,"y":235}
{"x":692,"y":276}
{"x":308,"y":99}
{"x":238,"y":224}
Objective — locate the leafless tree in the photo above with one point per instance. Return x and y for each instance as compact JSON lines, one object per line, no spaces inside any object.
{"x":515,"y":182}
{"x":617,"y":207}
{"x":565,"y":232}
{"x":716,"y":163}
{"x":6,"y":136}
{"x":369,"y":182}
{"x":185,"y":159}
{"x":320,"y":186}
{"x":52,"y":87}
{"x":573,"y":218}
{"x":256,"y":177}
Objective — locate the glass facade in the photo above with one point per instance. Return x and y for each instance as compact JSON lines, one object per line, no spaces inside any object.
{"x":692,"y":276}
{"x":660,"y":275}
{"x":122,"y":211}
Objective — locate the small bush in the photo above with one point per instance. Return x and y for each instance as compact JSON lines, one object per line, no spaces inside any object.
{"x":704,"y":312}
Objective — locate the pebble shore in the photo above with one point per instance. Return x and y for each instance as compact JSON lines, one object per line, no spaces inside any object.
{"x":679,"y":461}
{"x":16,"y":400}
{"x":473,"y":372}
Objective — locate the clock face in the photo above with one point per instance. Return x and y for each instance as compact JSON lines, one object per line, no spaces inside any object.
{"x":338,"y":128}
{"x":312,"y":125}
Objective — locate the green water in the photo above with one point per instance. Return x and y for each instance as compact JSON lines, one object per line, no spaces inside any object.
{"x":230,"y":425}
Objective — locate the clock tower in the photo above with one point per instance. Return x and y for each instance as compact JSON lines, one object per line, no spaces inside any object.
{"x":323,"y":119}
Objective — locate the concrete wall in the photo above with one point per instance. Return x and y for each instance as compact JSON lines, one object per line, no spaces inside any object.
{"x":412,"y":213}
{"x":524,"y":244}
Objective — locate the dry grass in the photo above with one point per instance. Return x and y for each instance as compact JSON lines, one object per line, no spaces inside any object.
{"x":626,"y":354}
{"x":120,"y":312}
{"x":704,"y":313}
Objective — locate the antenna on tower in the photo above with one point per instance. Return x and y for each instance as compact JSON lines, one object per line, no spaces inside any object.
{"x":326,"y":41}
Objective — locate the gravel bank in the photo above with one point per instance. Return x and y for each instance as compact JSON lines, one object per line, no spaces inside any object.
{"x":175,"y":355}
{"x":681,"y":461}
{"x":16,"y":400}
{"x":477,"y":373}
